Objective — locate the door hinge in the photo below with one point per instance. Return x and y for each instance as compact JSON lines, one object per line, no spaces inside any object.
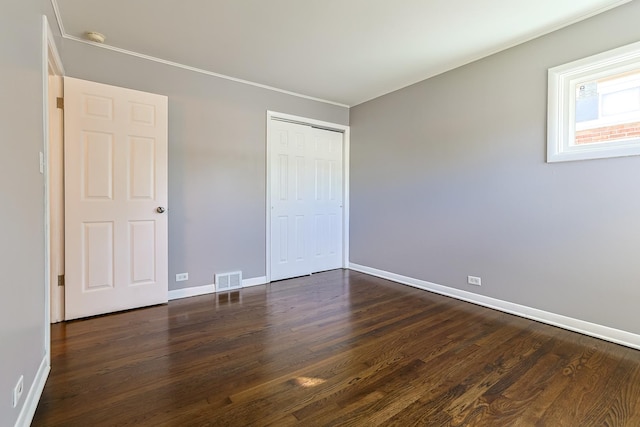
{"x":61,"y":280}
{"x":60,"y":103}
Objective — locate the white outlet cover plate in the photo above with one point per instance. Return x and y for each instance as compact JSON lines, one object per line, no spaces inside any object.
{"x":180,"y":277}
{"x":473,"y":280}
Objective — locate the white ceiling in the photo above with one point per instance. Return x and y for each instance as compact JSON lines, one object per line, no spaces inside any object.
{"x":343,"y":51}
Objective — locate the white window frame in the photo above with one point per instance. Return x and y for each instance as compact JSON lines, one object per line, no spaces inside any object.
{"x":561,"y":108}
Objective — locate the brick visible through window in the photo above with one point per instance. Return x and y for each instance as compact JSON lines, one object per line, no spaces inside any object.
{"x":608,"y":133}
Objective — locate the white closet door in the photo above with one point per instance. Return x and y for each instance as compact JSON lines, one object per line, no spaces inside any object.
{"x":115,"y":197}
{"x":306,"y":200}
{"x":326,"y":155}
{"x":290,"y":194}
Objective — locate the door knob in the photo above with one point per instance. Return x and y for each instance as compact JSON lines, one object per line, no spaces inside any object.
{"x":160,"y":209}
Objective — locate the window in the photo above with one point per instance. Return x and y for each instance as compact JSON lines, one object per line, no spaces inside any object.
{"x":594,"y":107}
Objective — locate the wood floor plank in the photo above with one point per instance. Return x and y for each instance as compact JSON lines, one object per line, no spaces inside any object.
{"x":587,"y":385}
{"x":335,"y":348}
{"x":618,"y":398}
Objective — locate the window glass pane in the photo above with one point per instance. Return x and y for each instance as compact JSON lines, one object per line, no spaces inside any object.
{"x":620,"y":102}
{"x":608,"y":109}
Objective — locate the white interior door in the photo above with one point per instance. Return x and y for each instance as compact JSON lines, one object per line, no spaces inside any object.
{"x":306,"y":200}
{"x":115,"y":196}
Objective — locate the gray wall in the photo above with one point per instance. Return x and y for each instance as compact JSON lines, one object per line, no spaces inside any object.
{"x":448,"y":179}
{"x":22,"y":305}
{"x":217,"y":158}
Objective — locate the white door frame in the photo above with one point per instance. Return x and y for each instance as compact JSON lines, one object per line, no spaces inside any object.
{"x":50,"y":61}
{"x":54,"y":163}
{"x":345,"y":130}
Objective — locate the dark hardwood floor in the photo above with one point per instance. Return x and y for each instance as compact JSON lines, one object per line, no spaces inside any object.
{"x":336,"y":348}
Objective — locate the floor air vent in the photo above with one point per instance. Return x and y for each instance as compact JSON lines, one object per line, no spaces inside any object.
{"x":228,"y":281}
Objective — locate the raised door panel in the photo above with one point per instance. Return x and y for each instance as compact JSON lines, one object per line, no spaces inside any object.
{"x":282,"y":241}
{"x":97,"y":166}
{"x":142,"y":114}
{"x":142,"y":171}
{"x":97,"y":107}
{"x":97,"y":256}
{"x":142,"y":244}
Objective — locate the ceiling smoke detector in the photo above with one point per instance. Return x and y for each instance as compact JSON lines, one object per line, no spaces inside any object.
{"x":95,"y":37}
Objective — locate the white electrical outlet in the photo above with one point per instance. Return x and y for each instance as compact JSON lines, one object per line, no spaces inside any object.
{"x":181,"y":277}
{"x":17,"y":391}
{"x":473,"y":280}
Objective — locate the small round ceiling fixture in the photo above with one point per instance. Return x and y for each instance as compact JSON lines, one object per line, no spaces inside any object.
{"x":95,"y":37}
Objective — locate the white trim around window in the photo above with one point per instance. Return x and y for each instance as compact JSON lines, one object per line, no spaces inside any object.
{"x":561,"y":112}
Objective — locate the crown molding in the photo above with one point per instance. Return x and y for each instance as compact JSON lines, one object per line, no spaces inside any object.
{"x":182,"y":66}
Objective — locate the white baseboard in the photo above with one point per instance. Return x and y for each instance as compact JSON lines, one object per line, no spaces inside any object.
{"x":191,"y":292}
{"x":33,"y":396}
{"x":256,"y":281}
{"x":209,"y":289}
{"x":587,"y":328}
